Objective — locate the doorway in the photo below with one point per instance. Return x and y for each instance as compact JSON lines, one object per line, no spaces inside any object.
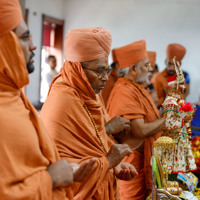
{"x":52,"y":46}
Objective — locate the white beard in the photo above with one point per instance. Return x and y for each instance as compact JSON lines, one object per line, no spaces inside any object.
{"x":143,"y":77}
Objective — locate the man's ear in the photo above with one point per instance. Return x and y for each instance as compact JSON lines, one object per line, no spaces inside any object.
{"x":134,"y":68}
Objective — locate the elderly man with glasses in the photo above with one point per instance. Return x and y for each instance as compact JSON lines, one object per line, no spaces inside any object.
{"x":77,"y":120}
{"x":129,"y":99}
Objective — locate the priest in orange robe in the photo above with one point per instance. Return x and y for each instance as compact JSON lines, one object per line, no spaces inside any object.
{"x":152,"y":61}
{"x":74,"y":115}
{"x":160,"y":82}
{"x":112,"y":79}
{"x":30,"y":166}
{"x":153,"y":73}
{"x":129,"y":99}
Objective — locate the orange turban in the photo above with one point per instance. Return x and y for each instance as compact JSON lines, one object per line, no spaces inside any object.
{"x":87,"y":44}
{"x":114,"y":56}
{"x":152,"y":57}
{"x":175,"y":50}
{"x":10,"y":15}
{"x":131,"y":54}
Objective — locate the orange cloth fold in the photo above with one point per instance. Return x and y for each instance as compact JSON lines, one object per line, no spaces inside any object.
{"x":125,"y":187}
{"x":161,"y":86}
{"x":74,"y":133}
{"x":10,"y":15}
{"x":131,"y":54}
{"x":127,"y":101}
{"x":26,"y":148}
{"x":152,"y":57}
{"x":109,"y":86}
{"x":175,"y":50}
{"x":87,"y":44}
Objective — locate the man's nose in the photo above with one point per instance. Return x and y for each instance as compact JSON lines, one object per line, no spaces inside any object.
{"x":150,"y":68}
{"x":105,"y":77}
{"x":32,"y":46}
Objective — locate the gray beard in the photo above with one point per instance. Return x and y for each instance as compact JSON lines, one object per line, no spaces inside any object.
{"x":143,"y":78}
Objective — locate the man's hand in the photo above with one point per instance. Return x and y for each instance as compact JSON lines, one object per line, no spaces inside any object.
{"x":116,"y":153}
{"x":61,"y":173}
{"x":125,"y":171}
{"x":116,"y":125}
{"x":83,"y":170}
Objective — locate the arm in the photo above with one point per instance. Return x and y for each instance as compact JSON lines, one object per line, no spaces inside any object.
{"x":63,"y":173}
{"x":141,"y":129}
{"x":116,"y":125}
{"x":161,"y":91}
{"x":116,"y":153}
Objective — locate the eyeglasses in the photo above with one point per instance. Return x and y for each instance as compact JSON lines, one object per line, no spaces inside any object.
{"x":101,"y":72}
{"x":147,"y":65}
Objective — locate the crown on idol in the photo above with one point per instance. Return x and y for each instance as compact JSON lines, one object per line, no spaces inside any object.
{"x":179,"y":77}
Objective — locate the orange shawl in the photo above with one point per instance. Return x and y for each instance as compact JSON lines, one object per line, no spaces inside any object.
{"x":73,"y":131}
{"x":109,"y":86}
{"x":126,"y":100}
{"x":26,"y":148}
{"x":161,"y":85}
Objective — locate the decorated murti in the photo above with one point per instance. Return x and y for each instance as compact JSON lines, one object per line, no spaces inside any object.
{"x":178,"y":115}
{"x":172,"y":151}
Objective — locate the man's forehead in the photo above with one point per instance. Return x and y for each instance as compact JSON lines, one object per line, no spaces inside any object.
{"x":21,"y":29}
{"x":145,"y":61}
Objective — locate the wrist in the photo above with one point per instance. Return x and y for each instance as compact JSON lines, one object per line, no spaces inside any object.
{"x":109,"y":163}
{"x":108,"y":129}
{"x":163,"y":121}
{"x":52,"y":179}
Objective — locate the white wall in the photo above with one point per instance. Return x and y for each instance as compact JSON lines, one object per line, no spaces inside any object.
{"x":159,"y":22}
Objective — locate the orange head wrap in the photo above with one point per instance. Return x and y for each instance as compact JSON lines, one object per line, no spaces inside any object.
{"x":87,"y":44}
{"x":114,"y":56}
{"x":152,"y":57}
{"x":10,"y":15}
{"x":175,"y":50}
{"x":12,"y":61}
{"x":131,"y":54}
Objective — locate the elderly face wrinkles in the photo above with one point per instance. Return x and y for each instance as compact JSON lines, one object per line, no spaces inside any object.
{"x":95,"y":71}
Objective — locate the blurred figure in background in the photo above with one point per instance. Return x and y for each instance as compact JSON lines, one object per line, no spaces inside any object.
{"x":187,"y":83}
{"x":153,"y":73}
{"x":160,"y":82}
{"x":48,"y":74}
{"x":195,"y":124}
